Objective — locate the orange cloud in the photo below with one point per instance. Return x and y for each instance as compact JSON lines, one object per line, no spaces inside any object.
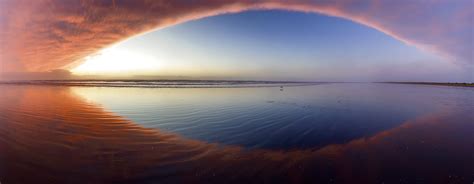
{"x":43,"y":35}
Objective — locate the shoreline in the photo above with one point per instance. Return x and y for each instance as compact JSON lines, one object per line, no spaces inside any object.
{"x":164,"y":83}
{"x":201,"y":83}
{"x":434,"y":83}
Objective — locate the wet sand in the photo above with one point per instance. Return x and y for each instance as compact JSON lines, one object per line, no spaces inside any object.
{"x":50,"y":135}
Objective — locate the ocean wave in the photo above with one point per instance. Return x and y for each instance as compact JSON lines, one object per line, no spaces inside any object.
{"x":162,"y":83}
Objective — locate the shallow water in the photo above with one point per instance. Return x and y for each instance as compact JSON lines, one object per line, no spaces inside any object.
{"x":340,"y":133}
{"x":277,"y":118}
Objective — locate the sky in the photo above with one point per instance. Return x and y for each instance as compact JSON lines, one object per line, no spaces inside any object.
{"x":274,"y":45}
{"x":262,"y":40}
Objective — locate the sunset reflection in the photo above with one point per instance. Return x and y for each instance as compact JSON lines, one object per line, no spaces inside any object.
{"x":69,"y":140}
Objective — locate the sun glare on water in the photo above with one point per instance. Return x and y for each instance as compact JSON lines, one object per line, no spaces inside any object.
{"x":114,"y":61}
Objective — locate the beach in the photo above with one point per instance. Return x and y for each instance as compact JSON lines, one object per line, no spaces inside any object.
{"x":56,"y":135}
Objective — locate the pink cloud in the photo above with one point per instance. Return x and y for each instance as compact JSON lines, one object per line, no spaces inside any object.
{"x":48,"y":34}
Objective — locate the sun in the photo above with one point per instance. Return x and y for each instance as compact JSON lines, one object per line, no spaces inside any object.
{"x":115,"y":61}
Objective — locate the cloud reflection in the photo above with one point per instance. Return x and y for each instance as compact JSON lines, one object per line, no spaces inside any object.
{"x":50,"y":135}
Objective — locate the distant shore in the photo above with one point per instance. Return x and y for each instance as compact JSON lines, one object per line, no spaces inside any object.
{"x":198,"y":83}
{"x":435,"y":83}
{"x":161,"y":83}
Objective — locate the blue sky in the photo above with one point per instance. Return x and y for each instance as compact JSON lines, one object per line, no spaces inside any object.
{"x":287,"y":45}
{"x":265,"y":39}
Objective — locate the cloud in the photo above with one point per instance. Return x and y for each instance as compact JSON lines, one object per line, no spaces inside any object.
{"x":57,"y":74}
{"x":48,"y":34}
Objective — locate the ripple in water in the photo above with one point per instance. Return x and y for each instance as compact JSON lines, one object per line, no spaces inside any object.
{"x":297,"y":117}
{"x":364,"y":134}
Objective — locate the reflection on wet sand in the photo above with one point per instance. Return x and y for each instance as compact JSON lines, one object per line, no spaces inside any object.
{"x":49,"y":135}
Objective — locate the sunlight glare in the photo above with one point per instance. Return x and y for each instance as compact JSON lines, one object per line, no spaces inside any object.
{"x":114,"y":61}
